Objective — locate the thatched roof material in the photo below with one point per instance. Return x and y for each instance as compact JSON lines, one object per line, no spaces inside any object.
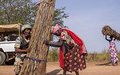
{"x":107,"y":30}
{"x":10,"y":27}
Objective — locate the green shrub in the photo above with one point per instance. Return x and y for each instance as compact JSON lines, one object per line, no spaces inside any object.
{"x":103,"y":56}
{"x":53,"y":55}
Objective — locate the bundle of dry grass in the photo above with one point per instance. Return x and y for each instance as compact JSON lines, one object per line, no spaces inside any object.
{"x":107,"y":30}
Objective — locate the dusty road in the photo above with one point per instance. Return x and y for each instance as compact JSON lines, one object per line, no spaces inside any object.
{"x":53,"y":69}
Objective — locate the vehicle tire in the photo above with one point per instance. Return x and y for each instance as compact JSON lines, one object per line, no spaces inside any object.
{"x":10,"y":62}
{"x":2,"y":57}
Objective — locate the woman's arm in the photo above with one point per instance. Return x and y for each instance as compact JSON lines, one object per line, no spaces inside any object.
{"x":19,"y":50}
{"x":55,"y":44}
{"x":107,"y":38}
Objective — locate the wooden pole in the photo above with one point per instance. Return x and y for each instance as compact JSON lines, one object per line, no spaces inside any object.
{"x":40,"y":32}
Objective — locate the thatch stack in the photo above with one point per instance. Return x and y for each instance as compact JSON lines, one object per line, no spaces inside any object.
{"x":107,"y":30}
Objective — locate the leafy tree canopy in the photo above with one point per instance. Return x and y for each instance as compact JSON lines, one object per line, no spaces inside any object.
{"x":24,"y":11}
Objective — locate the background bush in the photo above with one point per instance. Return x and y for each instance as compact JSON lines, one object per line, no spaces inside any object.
{"x":103,"y":56}
{"x":53,"y":55}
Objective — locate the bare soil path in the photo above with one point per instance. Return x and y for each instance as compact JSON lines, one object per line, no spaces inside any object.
{"x":54,"y":69}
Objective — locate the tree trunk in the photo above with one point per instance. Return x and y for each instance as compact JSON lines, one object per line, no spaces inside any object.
{"x":40,"y":32}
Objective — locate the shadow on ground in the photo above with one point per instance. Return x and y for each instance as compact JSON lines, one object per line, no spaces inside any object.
{"x":106,"y":64}
{"x":54,"y":72}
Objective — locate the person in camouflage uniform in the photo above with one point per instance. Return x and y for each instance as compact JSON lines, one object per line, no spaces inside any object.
{"x":21,"y":47}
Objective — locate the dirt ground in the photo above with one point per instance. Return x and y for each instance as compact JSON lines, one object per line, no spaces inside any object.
{"x":93,"y":68}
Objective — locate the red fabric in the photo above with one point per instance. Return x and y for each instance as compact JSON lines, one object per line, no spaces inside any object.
{"x":77,"y":41}
{"x":61,"y":58}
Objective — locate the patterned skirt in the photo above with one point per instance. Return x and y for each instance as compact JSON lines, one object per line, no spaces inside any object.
{"x":114,"y":56}
{"x":74,"y":61}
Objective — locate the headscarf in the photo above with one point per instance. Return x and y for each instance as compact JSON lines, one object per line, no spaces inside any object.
{"x":56,"y":28}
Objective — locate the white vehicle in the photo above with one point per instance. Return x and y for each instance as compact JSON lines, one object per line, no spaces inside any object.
{"x":8,"y":35}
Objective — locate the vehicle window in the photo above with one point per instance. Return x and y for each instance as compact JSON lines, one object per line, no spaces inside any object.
{"x":12,"y":37}
{"x":2,"y":37}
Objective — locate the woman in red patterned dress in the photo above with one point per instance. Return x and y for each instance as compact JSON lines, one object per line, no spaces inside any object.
{"x":72,"y":50}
